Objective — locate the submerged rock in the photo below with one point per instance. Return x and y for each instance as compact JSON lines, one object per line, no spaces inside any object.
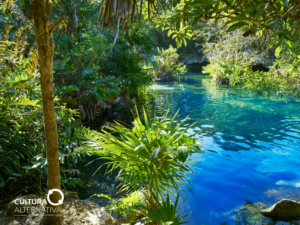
{"x":284,"y":210}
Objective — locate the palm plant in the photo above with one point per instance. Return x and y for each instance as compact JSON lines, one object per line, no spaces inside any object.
{"x":165,"y":212}
{"x":127,"y":205}
{"x":152,"y":154}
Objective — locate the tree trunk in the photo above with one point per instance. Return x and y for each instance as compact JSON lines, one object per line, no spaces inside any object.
{"x":44,"y":40}
{"x":118,"y":28}
{"x":72,"y":24}
{"x":117,"y":34}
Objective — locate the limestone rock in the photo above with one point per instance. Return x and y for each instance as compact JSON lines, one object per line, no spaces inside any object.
{"x":77,"y":212}
{"x":192,"y":58}
{"x":116,"y":101}
{"x":284,"y":210}
{"x":70,"y":195}
{"x":102,"y":104}
{"x":165,"y":78}
{"x":74,"y":210}
{"x":268,"y":62}
{"x":122,"y":102}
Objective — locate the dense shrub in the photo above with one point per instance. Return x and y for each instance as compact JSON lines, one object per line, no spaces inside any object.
{"x":92,"y":69}
{"x":165,"y":65}
{"x":230,"y":53}
{"x":231,"y":57}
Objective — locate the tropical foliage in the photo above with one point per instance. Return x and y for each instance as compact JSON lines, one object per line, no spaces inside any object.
{"x":231,"y":53}
{"x":232,"y":57}
{"x":89,"y":70}
{"x":126,"y":206}
{"x":165,"y":212}
{"x":272,"y":23}
{"x":165,"y":65}
{"x":253,"y":17}
{"x":95,"y":64}
{"x":282,"y":78}
{"x":22,"y":152}
{"x":152,"y":154}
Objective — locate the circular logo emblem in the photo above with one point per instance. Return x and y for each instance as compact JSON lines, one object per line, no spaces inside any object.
{"x":60,"y":202}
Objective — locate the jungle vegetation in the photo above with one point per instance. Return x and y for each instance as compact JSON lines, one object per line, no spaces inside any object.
{"x":59,"y":58}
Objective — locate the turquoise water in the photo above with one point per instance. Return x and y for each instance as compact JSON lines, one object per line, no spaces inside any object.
{"x":251,"y":147}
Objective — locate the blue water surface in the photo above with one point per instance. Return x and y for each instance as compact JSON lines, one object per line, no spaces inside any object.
{"x":250,"y":143}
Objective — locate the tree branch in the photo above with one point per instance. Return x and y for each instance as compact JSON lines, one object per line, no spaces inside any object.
{"x":53,"y":25}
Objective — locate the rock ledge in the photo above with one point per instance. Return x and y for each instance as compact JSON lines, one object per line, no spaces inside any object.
{"x":285,"y":210}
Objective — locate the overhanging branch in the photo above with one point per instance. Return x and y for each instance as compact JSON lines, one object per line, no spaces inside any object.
{"x":53,"y":25}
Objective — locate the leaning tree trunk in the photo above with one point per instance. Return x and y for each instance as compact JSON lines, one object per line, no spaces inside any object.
{"x":73,"y":22}
{"x":41,"y":10}
{"x":116,"y":36}
{"x":118,"y":28}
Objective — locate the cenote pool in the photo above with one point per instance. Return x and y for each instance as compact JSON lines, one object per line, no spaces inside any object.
{"x":251,"y":148}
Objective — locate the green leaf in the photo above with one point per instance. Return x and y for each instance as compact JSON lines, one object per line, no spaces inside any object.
{"x":174,"y":3}
{"x":296,"y":43}
{"x":288,"y":42}
{"x":237,"y":26}
{"x":147,"y":126}
{"x":285,"y":3}
{"x":262,"y":9}
{"x":254,"y":29}
{"x":185,"y":23}
{"x":281,"y":35}
{"x":184,"y":42}
{"x":173,"y":20}
{"x":250,"y":9}
{"x":103,"y":196}
{"x":139,"y":147}
{"x":155,"y":153}
{"x":273,"y":42}
{"x":278,"y":49}
{"x":183,"y":153}
{"x":239,"y":18}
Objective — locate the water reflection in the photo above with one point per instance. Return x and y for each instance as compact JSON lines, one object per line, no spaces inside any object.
{"x":251,"y":148}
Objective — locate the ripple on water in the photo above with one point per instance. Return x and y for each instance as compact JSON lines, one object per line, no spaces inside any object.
{"x":292,"y":183}
{"x":207,"y":126}
{"x":161,"y":87}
